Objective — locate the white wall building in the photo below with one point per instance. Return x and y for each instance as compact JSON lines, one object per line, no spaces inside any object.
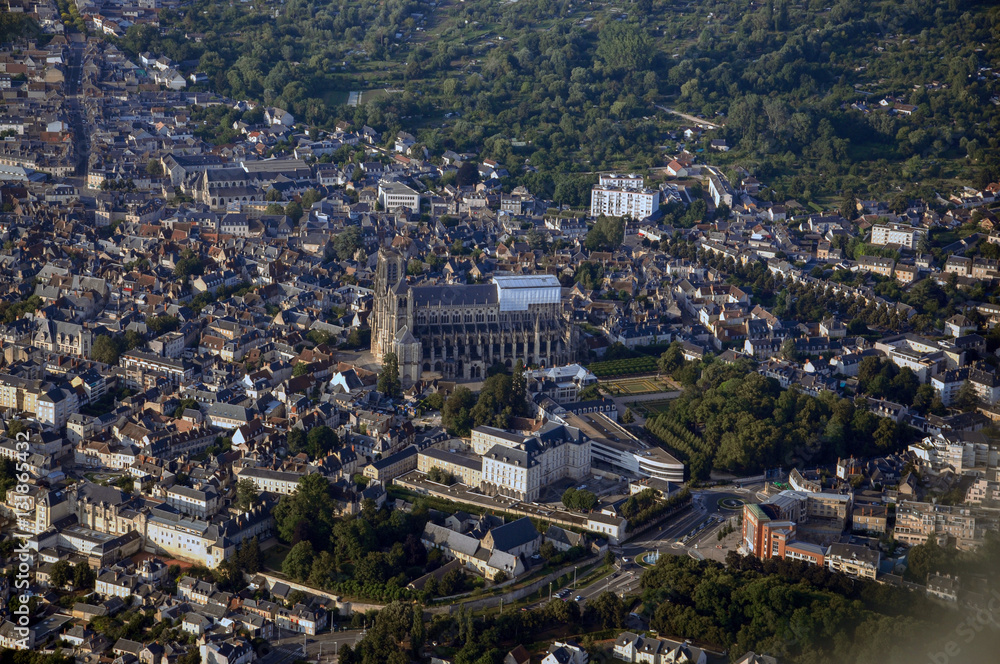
{"x":907,"y":236}
{"x":396,"y":194}
{"x":618,"y":196}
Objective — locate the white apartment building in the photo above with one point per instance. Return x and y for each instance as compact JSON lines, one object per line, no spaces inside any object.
{"x":949,"y":451}
{"x":396,"y":194}
{"x":618,"y":196}
{"x":630,"y":181}
{"x":902,"y":234}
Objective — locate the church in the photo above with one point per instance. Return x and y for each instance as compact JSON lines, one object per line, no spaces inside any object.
{"x":458,"y":331}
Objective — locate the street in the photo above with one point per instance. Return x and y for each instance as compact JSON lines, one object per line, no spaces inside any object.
{"x":323,"y":646}
{"x":709,"y":510}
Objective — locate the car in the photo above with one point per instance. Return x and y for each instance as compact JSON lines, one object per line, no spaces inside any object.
{"x":578,"y":598}
{"x":624,"y":560}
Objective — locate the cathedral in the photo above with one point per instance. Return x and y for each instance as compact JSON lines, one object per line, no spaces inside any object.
{"x":458,"y":331}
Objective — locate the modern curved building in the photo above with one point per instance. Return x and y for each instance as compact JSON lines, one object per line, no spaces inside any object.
{"x":612,"y":445}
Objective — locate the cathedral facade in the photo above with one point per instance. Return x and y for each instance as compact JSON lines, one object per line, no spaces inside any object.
{"x":458,"y":331}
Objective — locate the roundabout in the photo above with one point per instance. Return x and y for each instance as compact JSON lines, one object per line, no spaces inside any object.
{"x":731,"y":503}
{"x":649,"y":558}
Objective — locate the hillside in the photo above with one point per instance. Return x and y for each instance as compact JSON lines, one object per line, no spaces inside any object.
{"x":805,"y":92}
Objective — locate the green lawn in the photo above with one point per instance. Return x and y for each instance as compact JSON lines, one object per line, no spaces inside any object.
{"x":274,"y":556}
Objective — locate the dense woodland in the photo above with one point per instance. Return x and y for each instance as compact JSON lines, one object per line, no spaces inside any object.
{"x":577,"y":86}
{"x":732,"y":418}
{"x":805,"y":614}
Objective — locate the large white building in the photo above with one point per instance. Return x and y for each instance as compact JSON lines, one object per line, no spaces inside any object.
{"x":396,"y":194}
{"x":902,"y":234}
{"x":518,"y":466}
{"x":619,"y":196}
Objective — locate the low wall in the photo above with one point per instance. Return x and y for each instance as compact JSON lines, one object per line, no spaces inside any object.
{"x":345,"y":607}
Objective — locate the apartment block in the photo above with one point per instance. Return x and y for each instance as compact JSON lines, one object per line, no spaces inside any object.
{"x":615,"y":196}
{"x":915,"y":522}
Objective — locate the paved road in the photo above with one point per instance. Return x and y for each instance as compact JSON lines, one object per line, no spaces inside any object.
{"x":81,"y":138}
{"x":326,"y":644}
{"x":704,"y":505}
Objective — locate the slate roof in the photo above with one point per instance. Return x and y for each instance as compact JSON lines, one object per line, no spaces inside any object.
{"x":514,"y":534}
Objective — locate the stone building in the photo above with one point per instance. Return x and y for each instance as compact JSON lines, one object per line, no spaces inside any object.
{"x":459,"y":331}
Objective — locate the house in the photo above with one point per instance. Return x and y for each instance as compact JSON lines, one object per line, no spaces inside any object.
{"x":959,"y":326}
{"x":630,"y":647}
{"x":278,"y":117}
{"x":517,"y":538}
{"x":231,"y":651}
{"x":565,"y":653}
{"x":943,"y":586}
{"x":853,"y":560}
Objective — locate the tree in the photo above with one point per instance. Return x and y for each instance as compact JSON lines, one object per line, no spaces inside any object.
{"x":296,"y":440}
{"x":300,"y":369}
{"x":606,"y":234}
{"x":467,"y":175}
{"x":294,"y":211}
{"x":624,"y":47}
{"x":440,"y":476}
{"x":672,"y":359}
{"x":455,"y":416}
{"x":83,"y":577}
{"x":923,"y":399}
{"x":345,"y":244}
{"x":627,"y":417}
{"x":161,"y":324}
{"x":608,"y":609}
{"x":321,"y":440}
{"x":16,"y":428}
{"x":154,"y":168}
{"x":190,"y":264}
{"x":885,"y":436}
{"x":388,"y":378}
{"x":246,"y":494}
{"x":298,"y":562}
{"x":579,"y":499}
{"x":434,"y":401}
{"x":61,"y":572}
{"x":249,"y":556}
{"x":105,"y":350}
{"x":309,"y":197}
{"x":418,"y":632}
{"x":789,"y":352}
{"x":519,"y":389}
{"x":966,"y":399}
{"x":307,"y":513}
{"x":500,"y":576}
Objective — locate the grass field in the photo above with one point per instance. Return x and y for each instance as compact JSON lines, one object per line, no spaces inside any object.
{"x":372,"y":95}
{"x":640,"y":385}
{"x":274,"y":556}
{"x":651,"y":408}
